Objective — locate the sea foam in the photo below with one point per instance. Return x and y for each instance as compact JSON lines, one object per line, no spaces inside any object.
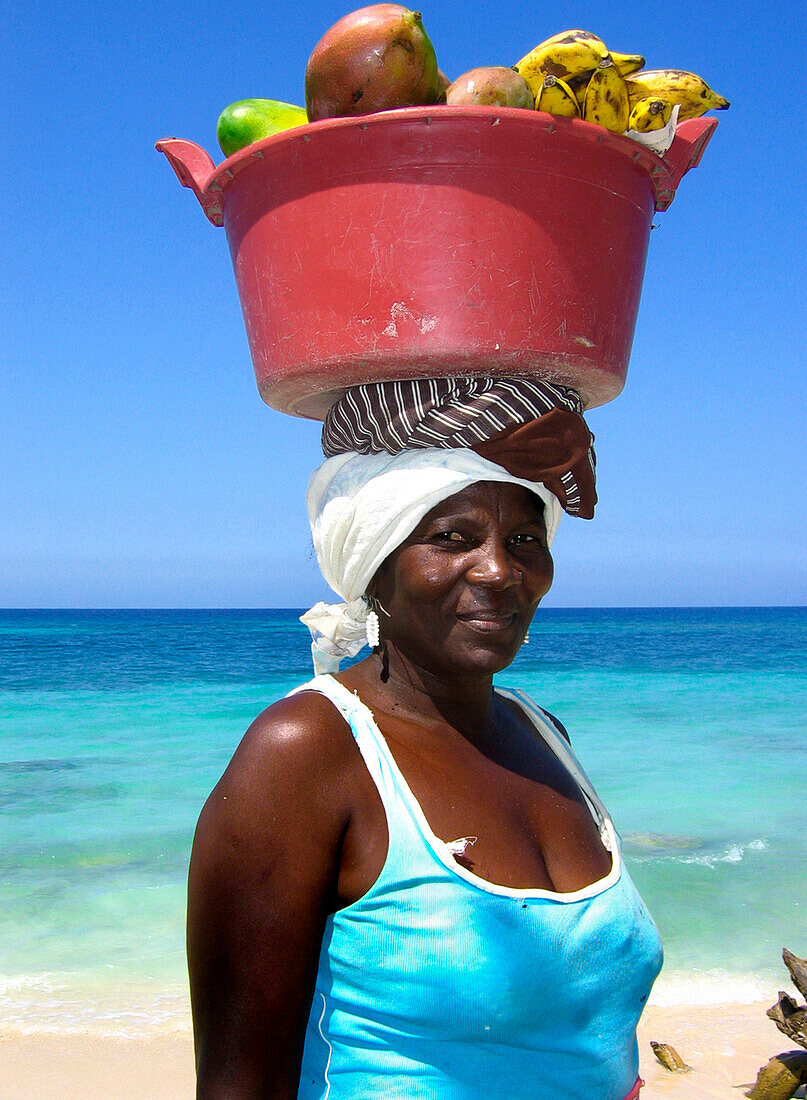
{"x":710,"y":987}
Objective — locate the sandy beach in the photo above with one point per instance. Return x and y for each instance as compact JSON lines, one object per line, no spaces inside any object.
{"x":724,"y":1044}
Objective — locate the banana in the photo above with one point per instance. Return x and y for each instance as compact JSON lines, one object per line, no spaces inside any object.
{"x":566,"y":55}
{"x":606,"y":102}
{"x":692,"y":94}
{"x":649,"y":114}
{"x":627,"y":63}
{"x":557,"y":98}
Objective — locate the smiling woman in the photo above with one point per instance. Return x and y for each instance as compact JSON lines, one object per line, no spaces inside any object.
{"x":404,"y":884}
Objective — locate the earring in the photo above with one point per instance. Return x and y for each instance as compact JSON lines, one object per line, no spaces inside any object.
{"x":371,"y":625}
{"x":526,"y":638}
{"x":372,"y":630}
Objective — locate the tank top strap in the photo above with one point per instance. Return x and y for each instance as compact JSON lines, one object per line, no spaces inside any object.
{"x":550,"y":734}
{"x":369,"y":740}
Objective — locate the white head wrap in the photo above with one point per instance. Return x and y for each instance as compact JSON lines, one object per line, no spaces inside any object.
{"x":361,"y":507}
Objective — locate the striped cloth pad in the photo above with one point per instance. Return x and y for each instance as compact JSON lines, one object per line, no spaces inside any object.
{"x":535,"y":429}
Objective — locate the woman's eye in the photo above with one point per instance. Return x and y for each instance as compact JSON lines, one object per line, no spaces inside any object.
{"x":450,"y":536}
{"x":525,"y":539}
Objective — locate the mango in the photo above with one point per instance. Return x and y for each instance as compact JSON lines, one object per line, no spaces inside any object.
{"x":490,"y":86}
{"x":378,"y":58}
{"x":250,"y":120}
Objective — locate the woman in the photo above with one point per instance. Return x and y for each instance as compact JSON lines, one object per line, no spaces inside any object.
{"x":404,"y":885}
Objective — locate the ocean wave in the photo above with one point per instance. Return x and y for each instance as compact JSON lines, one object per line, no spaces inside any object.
{"x":66,"y":1004}
{"x":651,"y":847}
{"x":711,"y":987}
{"x":734,"y":853}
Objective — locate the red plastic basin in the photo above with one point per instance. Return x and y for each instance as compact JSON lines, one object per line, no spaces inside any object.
{"x":438,"y":241}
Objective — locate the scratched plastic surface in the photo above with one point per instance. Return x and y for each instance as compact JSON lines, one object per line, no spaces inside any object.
{"x":434,"y":242}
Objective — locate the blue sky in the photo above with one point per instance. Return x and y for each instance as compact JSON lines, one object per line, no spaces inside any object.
{"x":138,"y":466}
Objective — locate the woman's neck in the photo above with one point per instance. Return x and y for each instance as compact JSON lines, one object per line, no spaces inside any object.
{"x":404,"y":689}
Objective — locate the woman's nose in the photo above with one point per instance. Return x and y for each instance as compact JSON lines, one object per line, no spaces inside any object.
{"x":493,"y":565}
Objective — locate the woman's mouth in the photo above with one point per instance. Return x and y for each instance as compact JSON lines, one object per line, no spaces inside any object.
{"x":488,"y":621}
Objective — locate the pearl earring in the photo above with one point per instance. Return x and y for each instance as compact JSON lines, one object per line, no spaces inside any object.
{"x":372,"y":630}
{"x":527,"y":638}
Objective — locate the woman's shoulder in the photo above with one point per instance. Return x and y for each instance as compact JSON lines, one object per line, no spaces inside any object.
{"x":305,"y":720}
{"x":293,"y":758}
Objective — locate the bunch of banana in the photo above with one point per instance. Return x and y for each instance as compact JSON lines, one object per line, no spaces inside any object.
{"x":572,"y":56}
{"x":690,"y":91}
{"x":573,"y":74}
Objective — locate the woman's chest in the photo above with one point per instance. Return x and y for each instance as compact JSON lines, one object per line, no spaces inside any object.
{"x":527,"y":824}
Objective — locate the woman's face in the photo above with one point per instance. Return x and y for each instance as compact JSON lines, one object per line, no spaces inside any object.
{"x":461,"y":590}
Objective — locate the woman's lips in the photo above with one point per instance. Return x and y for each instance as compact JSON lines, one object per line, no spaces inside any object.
{"x":488,"y":621}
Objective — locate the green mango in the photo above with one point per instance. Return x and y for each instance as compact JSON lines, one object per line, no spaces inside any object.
{"x":249,"y":120}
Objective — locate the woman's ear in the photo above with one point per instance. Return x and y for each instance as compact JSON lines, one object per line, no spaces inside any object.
{"x":382,"y":586}
{"x":376,"y":585}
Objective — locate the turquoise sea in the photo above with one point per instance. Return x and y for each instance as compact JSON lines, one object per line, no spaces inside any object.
{"x":114,"y":726}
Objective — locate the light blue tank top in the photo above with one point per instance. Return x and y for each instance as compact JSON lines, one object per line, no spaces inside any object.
{"x":439,"y":985}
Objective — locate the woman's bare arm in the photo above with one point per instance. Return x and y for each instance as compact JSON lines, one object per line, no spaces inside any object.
{"x":263,"y":878}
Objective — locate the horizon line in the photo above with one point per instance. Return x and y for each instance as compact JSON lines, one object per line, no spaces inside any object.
{"x":566,"y":607}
